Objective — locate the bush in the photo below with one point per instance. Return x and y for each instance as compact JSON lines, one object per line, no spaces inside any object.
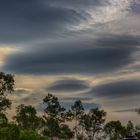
{"x":9,"y":132}
{"x":12,"y":132}
{"x":30,"y":135}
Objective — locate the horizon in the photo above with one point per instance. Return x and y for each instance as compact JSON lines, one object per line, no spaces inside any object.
{"x":85,"y":50}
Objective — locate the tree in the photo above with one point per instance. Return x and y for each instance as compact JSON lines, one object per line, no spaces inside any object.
{"x":137,"y":131}
{"x":77,"y":108}
{"x":27,"y":118}
{"x":30,"y":135}
{"x":65,"y":132}
{"x":93,"y":122}
{"x":77,"y":111}
{"x":6,"y":86}
{"x":3,"y":120}
{"x":130,"y":128}
{"x":52,"y":128}
{"x":55,"y":116}
{"x":114,"y":130}
{"x":9,"y":132}
{"x":53,"y":107}
{"x":54,"y":112}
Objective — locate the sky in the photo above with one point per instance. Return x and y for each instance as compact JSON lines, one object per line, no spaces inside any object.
{"x":77,"y":49}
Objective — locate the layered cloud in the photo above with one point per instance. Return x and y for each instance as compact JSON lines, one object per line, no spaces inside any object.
{"x":33,"y":20}
{"x":94,"y":44}
{"x":71,"y":85}
{"x":85,"y":57}
{"x":135,"y":7}
{"x":118,"y":89}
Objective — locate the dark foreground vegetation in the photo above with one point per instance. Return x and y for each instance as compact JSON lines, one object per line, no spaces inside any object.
{"x":53,"y":124}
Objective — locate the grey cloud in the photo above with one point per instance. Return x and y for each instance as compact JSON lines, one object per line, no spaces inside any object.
{"x":72,"y":85}
{"x":119,"y":89}
{"x":127,"y":110}
{"x":118,"y":41}
{"x":78,"y":57}
{"x":135,"y":7}
{"x":80,"y":97}
{"x":79,"y":4}
{"x":32,"y":19}
{"x":40,"y":107}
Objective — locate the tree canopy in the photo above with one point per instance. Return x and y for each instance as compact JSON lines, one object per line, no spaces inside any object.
{"x":57,"y":122}
{"x":6,"y":86}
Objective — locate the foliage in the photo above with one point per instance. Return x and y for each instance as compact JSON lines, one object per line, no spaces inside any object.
{"x":93,"y":122}
{"x":55,"y":116}
{"x":77,"y":111}
{"x":9,"y":132}
{"x":115,"y":130}
{"x":28,"y":125}
{"x":78,"y":108}
{"x":53,"y":107}
{"x":6,"y":85}
{"x":130,"y":128}
{"x":3,"y":119}
{"x":12,"y":132}
{"x":137,"y":131}
{"x":26,"y":117}
{"x":65,"y":132}
{"x":52,"y":128}
{"x":30,"y":135}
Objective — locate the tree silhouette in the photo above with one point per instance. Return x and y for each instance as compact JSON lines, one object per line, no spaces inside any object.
{"x":55,"y":116}
{"x":114,"y":130}
{"x":93,"y":122}
{"x":52,"y":128}
{"x":137,"y":131}
{"x":6,"y":86}
{"x":130,"y":128}
{"x":3,"y":120}
{"x":65,"y":132}
{"x":26,"y":117}
{"x":9,"y":132}
{"x":77,"y":111}
{"x":30,"y":135}
{"x":53,"y":124}
{"x":53,"y":107}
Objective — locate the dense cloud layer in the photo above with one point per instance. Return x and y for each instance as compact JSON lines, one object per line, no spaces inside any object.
{"x":135,"y":7}
{"x":119,"y":41}
{"x":85,"y":57}
{"x":83,"y":38}
{"x":33,"y":19}
{"x":72,"y":85}
{"x":118,"y":89}
{"x":112,"y":90}
{"x":30,"y":20}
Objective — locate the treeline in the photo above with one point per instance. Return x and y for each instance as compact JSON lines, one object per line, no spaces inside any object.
{"x":57,"y":123}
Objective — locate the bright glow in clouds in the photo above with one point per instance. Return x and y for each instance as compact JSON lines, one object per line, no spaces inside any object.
{"x":4,"y":52}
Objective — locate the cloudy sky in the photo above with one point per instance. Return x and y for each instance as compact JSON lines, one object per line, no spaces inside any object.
{"x":77,"y":49}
